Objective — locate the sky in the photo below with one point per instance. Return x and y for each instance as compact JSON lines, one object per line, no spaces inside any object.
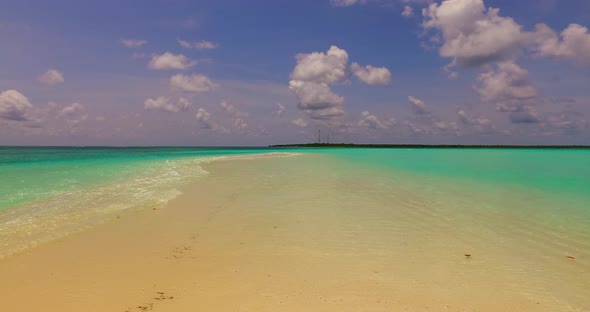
{"x":259,"y":72}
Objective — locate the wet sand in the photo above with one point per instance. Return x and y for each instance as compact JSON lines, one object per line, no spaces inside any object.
{"x":264,"y":235}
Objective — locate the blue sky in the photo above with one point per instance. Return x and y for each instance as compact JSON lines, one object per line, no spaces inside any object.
{"x":268,"y":72}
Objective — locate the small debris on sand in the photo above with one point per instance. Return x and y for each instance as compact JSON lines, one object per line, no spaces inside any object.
{"x":571,"y":257}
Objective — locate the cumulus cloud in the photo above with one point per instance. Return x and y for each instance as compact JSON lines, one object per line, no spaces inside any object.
{"x":311,"y":79}
{"x":328,"y":114}
{"x":345,"y":3}
{"x":194,"y":83}
{"x":572,"y":44}
{"x":370,"y":121}
{"x":473,"y":35}
{"x":371,"y":75}
{"x":299,"y":122}
{"x":71,"y":109}
{"x":14,"y":106}
{"x":418,"y":105}
{"x":164,"y":104}
{"x":408,"y":11}
{"x":73,"y":114}
{"x":315,"y":96}
{"x":321,"y":67}
{"x":507,"y":86}
{"x":168,"y":61}
{"x":51,"y":77}
{"x":315,"y":72}
{"x":133,"y":43}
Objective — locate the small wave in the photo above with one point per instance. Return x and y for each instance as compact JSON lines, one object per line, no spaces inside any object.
{"x":62,"y":213}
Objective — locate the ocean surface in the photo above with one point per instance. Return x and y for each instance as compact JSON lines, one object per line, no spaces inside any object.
{"x":519,"y":213}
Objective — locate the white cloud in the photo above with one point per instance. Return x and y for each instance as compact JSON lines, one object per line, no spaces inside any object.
{"x":299,"y":122}
{"x":345,"y":3}
{"x":321,"y":67}
{"x":315,"y":96}
{"x":371,"y":75}
{"x":327,"y":114}
{"x":408,"y":11}
{"x":164,"y":104}
{"x":311,"y":79}
{"x":574,"y":43}
{"x":14,"y":106}
{"x":527,"y":116}
{"x":232,"y":111}
{"x":169,"y":61}
{"x":370,"y":121}
{"x":280,"y":110}
{"x":194,"y":83}
{"x":199,"y":45}
{"x":240,"y":124}
{"x":133,"y":43}
{"x":419,"y":106}
{"x":185,"y":44}
{"x":481,"y":123}
{"x":472,"y":34}
{"x":51,"y":77}
{"x":506,"y":85}
{"x":236,"y":115}
{"x":564,"y":122}
{"x":204,"y":120}
{"x":71,"y":109}
{"x":316,"y":72}
{"x":73,"y":115}
{"x":205,"y":45}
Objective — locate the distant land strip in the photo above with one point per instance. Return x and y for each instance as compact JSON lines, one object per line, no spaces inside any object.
{"x":351,"y":145}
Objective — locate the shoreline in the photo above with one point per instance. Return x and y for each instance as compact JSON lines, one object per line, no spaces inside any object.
{"x":29,"y":210}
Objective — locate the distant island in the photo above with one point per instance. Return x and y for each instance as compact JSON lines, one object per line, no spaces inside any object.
{"x":352,"y":145}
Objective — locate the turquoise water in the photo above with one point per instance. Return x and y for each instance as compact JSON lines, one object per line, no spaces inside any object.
{"x":28,"y":174}
{"x":550,"y":170}
{"x":47,"y":189}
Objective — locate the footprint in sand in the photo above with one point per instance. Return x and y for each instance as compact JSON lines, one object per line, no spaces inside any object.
{"x":160,"y":297}
{"x":180,"y":252}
